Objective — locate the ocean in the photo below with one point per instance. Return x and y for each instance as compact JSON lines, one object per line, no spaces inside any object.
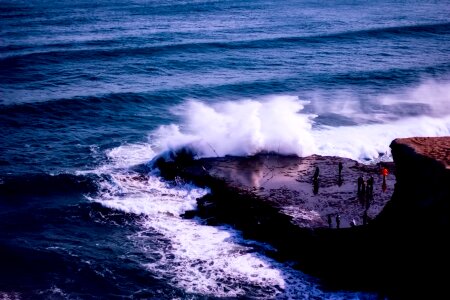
{"x":92,"y":91}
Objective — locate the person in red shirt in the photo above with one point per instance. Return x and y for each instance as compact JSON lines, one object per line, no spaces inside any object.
{"x":385,"y":173}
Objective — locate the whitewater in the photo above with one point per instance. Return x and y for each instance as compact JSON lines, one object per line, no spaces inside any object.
{"x":279,"y":124}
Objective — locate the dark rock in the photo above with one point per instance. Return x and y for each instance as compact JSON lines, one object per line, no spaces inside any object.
{"x":189,"y":214}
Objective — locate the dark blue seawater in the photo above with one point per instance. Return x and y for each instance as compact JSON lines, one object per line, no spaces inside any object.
{"x":91,"y":91}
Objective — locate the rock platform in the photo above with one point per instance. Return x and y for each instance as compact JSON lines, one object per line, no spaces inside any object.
{"x":286,"y":183}
{"x":400,"y":254}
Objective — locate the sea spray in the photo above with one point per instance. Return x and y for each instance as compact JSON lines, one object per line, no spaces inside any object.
{"x":242,"y":128}
{"x":370,"y":141}
{"x":279,"y":124}
{"x":434,"y":96}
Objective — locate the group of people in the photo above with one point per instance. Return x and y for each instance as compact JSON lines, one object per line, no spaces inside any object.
{"x":338,"y":220}
{"x":365,"y":190}
{"x":365,"y":220}
{"x":365,"y":194}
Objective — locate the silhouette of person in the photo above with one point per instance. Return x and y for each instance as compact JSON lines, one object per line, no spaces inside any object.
{"x":316,"y":181}
{"x":362,"y":193}
{"x":340,"y":174}
{"x":329,"y":221}
{"x":338,"y":220}
{"x":360,"y":182}
{"x":315,"y":186}
{"x":316,"y":174}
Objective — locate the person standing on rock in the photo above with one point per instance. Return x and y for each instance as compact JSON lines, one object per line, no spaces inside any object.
{"x":316,"y":174}
{"x":315,"y":186}
{"x":360,"y":183}
{"x":362,"y":193}
{"x":316,"y":181}
{"x":385,"y":173}
{"x":338,"y":220}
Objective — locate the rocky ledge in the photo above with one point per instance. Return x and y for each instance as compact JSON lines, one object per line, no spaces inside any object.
{"x":396,"y":245}
{"x":287,"y":184}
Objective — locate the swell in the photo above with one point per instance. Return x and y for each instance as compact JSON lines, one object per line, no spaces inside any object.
{"x":392,"y":76}
{"x":55,"y":211}
{"x":46,"y":184}
{"x":385,"y":32}
{"x":414,"y":31}
{"x":161,"y":100}
{"x":72,"y":134}
{"x":85,"y":107}
{"x":368,"y":83}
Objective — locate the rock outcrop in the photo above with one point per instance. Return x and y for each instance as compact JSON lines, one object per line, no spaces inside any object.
{"x":415,"y":224}
{"x":273,"y":199}
{"x":286,"y":184}
{"x":422,"y":191}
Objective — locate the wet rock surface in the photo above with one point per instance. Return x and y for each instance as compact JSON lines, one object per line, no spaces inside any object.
{"x":287,"y":183}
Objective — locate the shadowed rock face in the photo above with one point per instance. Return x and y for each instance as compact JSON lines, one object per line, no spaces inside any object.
{"x":415,"y":224}
{"x":423,"y":182}
{"x":273,"y":199}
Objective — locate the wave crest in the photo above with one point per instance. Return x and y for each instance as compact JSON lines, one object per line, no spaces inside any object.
{"x":242,"y":128}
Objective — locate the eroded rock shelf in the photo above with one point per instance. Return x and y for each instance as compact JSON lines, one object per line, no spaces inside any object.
{"x":273,"y":199}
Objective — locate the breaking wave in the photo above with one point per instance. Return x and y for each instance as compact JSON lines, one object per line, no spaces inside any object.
{"x":287,"y":125}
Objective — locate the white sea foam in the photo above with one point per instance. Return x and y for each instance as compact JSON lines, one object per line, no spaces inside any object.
{"x":130,"y":154}
{"x":10,"y":296}
{"x":278,"y":124}
{"x":242,"y":128}
{"x":200,"y":259}
{"x":123,"y":157}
